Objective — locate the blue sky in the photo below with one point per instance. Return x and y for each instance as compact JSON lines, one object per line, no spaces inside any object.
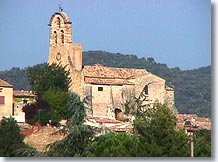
{"x":174,"y":32}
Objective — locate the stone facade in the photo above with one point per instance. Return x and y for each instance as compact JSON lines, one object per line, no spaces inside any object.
{"x":105,"y":89}
{"x":6,"y":99}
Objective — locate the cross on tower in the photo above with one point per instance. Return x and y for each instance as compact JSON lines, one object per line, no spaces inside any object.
{"x":60,"y":8}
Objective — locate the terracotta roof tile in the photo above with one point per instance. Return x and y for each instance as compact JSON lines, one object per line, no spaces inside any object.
{"x":99,"y":71}
{"x":108,"y":81}
{"x":23,"y":94}
{"x":4,"y":84}
{"x":103,"y":120}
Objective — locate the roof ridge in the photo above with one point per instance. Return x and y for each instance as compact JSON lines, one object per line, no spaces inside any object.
{"x":100,"y":65}
{"x":5,"y":84}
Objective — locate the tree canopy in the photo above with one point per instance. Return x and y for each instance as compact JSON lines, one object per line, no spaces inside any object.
{"x":10,"y":137}
{"x":158,"y":134}
{"x":42,"y":78}
{"x":51,"y":84}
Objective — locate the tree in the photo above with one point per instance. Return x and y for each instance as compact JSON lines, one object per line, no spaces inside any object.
{"x":29,"y":152}
{"x":36,"y":112}
{"x":41,"y":78}
{"x":158,"y":135}
{"x":10,"y":137}
{"x":114,"y":145}
{"x":202,"y":143}
{"x":76,"y":110}
{"x":73,"y":144}
{"x":51,"y":84}
{"x":56,"y":101}
{"x":78,"y":134}
{"x":150,"y":59}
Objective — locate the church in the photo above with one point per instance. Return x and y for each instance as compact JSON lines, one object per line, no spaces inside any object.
{"x":106,"y":89}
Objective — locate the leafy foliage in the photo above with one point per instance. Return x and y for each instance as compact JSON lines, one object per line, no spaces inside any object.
{"x":41,"y":78}
{"x":78,"y":135}
{"x":10,"y":137}
{"x":74,"y":144}
{"x":202,"y":143}
{"x":154,"y":135}
{"x":76,"y":110}
{"x":51,"y":83}
{"x":29,"y":152}
{"x":114,"y":145}
{"x":56,"y":101}
{"x":157,"y":133}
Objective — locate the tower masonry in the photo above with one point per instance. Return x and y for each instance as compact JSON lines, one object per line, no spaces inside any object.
{"x":62,"y":50}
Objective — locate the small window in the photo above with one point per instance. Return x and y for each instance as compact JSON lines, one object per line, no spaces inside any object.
{"x":58,"y":22}
{"x":58,"y":56}
{"x":100,"y":88}
{"x":2,"y":100}
{"x":146,"y":89}
{"x":62,"y":36}
{"x":55,"y":36}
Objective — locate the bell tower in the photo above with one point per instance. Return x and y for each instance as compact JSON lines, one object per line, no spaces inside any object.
{"x":61,"y":49}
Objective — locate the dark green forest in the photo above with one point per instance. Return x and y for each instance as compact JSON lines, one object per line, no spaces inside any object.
{"x":192,"y":87}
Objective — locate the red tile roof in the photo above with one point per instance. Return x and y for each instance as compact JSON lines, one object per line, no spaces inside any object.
{"x":99,"y":74}
{"x":23,"y":94}
{"x":103,"y":120}
{"x":99,"y":71}
{"x":108,"y":81}
{"x":5,"y":84}
{"x":203,"y":123}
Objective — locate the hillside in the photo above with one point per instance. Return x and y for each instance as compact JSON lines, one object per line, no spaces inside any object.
{"x":192,"y":87}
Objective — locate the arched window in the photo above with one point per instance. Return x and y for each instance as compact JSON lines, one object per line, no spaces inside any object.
{"x":55,"y":37}
{"x":62,"y":36}
{"x":146,"y":89}
{"x":59,"y":22}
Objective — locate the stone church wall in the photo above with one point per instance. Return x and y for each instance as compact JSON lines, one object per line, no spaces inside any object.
{"x":156,"y":87}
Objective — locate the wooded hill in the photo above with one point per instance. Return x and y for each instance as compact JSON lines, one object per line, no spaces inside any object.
{"x":192,"y":87}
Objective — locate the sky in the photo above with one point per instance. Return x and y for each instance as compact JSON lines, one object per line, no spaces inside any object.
{"x":173,"y":32}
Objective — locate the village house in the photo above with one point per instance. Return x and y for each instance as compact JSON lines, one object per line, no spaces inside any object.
{"x":106,"y":89}
{"x":20,"y":99}
{"x":12,"y":102}
{"x":6,"y":99}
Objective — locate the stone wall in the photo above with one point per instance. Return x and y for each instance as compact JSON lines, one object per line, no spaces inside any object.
{"x":77,"y":82}
{"x":156,"y":87}
{"x":101,"y":99}
{"x":104,"y":99}
{"x":169,"y":99}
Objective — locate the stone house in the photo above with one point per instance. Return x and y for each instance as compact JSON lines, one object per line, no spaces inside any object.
{"x":107,"y":89}
{"x":12,"y":102}
{"x":20,"y":99}
{"x":6,"y":99}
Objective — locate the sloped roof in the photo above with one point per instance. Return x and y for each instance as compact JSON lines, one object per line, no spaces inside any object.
{"x":99,"y":71}
{"x":168,"y":88}
{"x":5,"y":84}
{"x":23,"y":94}
{"x":108,"y":81}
